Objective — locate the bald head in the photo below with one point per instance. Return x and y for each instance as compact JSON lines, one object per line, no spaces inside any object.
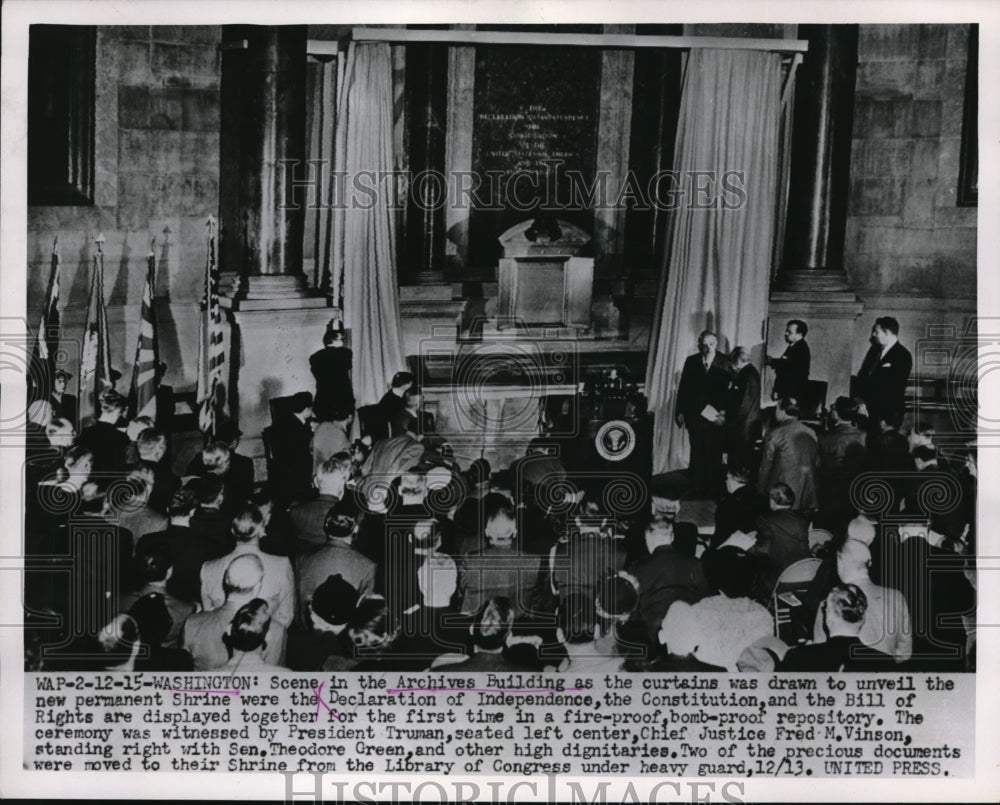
{"x":243,"y":576}
{"x":853,"y":561}
{"x":861,"y":529}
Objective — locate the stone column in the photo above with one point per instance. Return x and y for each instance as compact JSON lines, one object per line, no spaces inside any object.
{"x":613,"y":133}
{"x":276,"y":319}
{"x":813,"y":258}
{"x":263,"y":123}
{"x":458,"y":149}
{"x":811,"y":284}
{"x":426,"y":103}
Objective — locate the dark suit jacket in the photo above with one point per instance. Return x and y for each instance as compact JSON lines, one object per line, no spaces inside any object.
{"x":783,"y":536}
{"x":666,"y":576}
{"x":237,"y":482}
{"x":699,"y":388}
{"x":791,"y":370}
{"x":291,"y":449}
{"x":743,"y":404}
{"x":791,"y":456}
{"x":937,"y":593}
{"x":107,"y":443}
{"x":65,"y":407}
{"x":836,"y":654}
{"x":882,"y":380}
{"x":735,"y":512}
{"x":390,"y":404}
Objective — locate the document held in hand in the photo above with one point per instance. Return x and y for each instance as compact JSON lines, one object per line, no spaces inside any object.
{"x":710,"y":413}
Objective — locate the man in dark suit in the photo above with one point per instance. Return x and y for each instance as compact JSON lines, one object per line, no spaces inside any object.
{"x":738,"y":508}
{"x":704,"y":382}
{"x":782,"y":536}
{"x":742,"y":408}
{"x":669,"y":573}
{"x":291,"y":439}
{"x":791,"y":370}
{"x":392,"y":401}
{"x":884,"y":373}
{"x":220,"y":458}
{"x":790,"y":455}
{"x":107,"y":443}
{"x":844,"y":612}
{"x":411,"y":418}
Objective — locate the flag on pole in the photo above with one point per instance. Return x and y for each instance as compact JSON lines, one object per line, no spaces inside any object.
{"x":47,"y":341}
{"x":211,"y":347}
{"x":95,"y":363}
{"x":142,"y":394}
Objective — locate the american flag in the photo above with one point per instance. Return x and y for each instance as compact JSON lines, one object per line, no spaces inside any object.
{"x":211,"y":347}
{"x":47,"y":341}
{"x":95,"y":363}
{"x":142,"y":394}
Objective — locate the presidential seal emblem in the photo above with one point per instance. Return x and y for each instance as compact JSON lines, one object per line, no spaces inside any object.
{"x":615,"y":441}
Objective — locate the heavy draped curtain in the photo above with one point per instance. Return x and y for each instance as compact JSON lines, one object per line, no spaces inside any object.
{"x":364,"y":239}
{"x":718,"y":261}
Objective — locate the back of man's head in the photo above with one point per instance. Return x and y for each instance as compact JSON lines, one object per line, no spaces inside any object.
{"x":492,"y":624}
{"x":243,"y":575}
{"x":853,"y":561}
{"x":401,"y":380}
{"x":847,"y":603}
{"x":152,"y":562}
{"x":249,"y":626}
{"x":183,"y":503}
{"x":208,"y":490}
{"x":437,"y":577}
{"x":151,"y":444}
{"x":501,"y":526}
{"x":333,"y":473}
{"x":659,"y":533}
{"x":113,"y":403}
{"x":789,"y":406}
{"x":248,"y":525}
{"x":425,"y":536}
{"x":216,"y":457}
{"x":862,"y":530}
{"x":846,"y":409}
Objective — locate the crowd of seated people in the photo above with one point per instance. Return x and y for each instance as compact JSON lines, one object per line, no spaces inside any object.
{"x":385,"y":554}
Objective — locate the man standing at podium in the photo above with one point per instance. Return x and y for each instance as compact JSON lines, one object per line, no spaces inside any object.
{"x":701,"y":396}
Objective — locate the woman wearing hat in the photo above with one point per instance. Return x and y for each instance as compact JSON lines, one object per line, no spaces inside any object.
{"x":331,"y":366}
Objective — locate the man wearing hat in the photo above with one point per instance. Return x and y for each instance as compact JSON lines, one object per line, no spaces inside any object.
{"x":63,"y":404}
{"x":338,"y":556}
{"x":325,"y":637}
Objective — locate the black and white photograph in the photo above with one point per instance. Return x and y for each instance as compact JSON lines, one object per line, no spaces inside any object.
{"x":498,"y":402}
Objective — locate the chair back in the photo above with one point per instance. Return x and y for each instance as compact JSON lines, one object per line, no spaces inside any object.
{"x":814,"y":401}
{"x":372,"y":422}
{"x":786,"y":596}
